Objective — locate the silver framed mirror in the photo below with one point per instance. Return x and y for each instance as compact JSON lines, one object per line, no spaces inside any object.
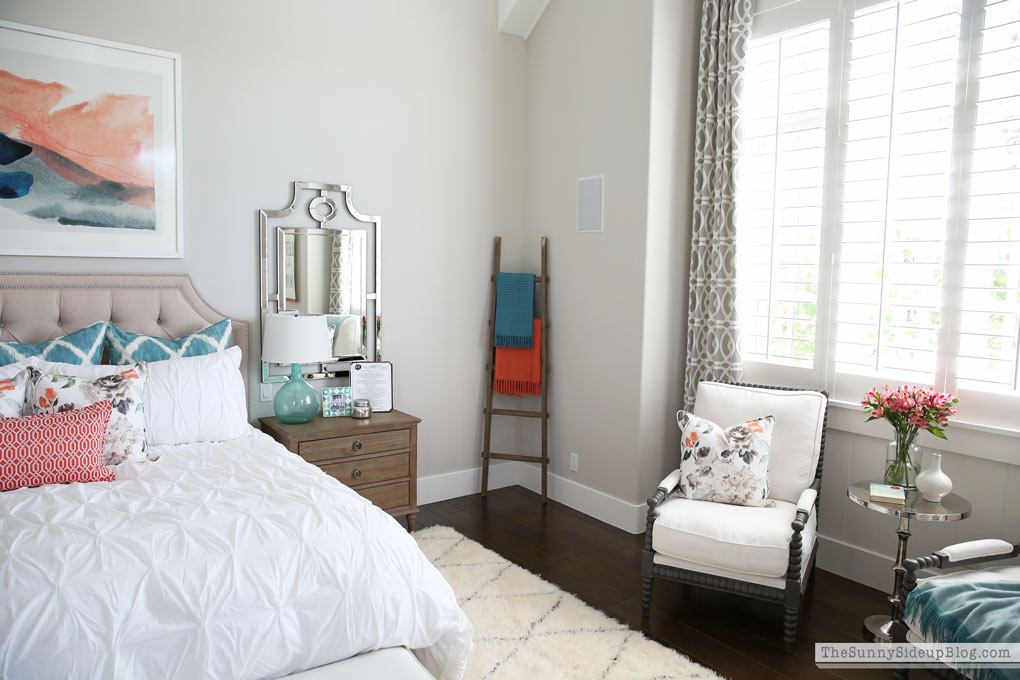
{"x":319,"y":255}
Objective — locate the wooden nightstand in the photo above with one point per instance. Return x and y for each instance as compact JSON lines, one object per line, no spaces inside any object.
{"x":377,"y":456}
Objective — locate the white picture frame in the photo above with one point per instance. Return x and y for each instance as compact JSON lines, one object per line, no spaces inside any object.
{"x":91,"y":150}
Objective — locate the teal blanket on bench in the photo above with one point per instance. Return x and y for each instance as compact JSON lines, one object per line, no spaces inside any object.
{"x":968,"y":611}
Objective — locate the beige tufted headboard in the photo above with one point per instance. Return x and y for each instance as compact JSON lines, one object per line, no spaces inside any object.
{"x":36,"y":307}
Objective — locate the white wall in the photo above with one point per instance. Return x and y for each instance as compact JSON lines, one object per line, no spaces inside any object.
{"x":418,"y":106}
{"x":588,"y":99}
{"x":675,"y":31}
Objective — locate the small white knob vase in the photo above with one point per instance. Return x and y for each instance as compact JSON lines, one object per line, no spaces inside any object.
{"x":932,"y":482}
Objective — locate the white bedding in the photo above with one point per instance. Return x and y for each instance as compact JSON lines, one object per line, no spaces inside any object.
{"x":228,"y":560}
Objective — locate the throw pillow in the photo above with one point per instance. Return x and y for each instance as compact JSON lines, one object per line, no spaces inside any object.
{"x":54,"y":449}
{"x":196,"y":399}
{"x":129,"y":348}
{"x":12,"y":395}
{"x":125,"y":436}
{"x":84,"y":346}
{"x":725,"y":465}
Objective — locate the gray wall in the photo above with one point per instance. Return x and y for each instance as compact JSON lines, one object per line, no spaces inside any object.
{"x":418,"y":106}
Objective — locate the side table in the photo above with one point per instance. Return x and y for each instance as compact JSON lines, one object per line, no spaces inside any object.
{"x":952,"y":507}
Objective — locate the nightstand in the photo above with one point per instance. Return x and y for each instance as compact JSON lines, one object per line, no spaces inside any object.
{"x":377,"y":456}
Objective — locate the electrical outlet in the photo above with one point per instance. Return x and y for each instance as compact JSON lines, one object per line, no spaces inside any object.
{"x":266,"y":391}
{"x":573,"y":462}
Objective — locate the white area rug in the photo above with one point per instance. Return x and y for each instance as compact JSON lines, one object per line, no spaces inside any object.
{"x":528,"y":629}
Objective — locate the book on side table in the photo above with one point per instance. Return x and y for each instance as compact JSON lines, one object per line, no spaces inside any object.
{"x":888,"y":493}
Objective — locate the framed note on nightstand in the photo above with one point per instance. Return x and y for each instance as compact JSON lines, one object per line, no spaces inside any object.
{"x":373,"y":380}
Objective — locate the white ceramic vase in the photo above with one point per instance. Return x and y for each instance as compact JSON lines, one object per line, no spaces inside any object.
{"x":932,"y":482}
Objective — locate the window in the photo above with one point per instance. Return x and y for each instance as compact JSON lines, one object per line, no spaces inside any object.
{"x":879,"y":199}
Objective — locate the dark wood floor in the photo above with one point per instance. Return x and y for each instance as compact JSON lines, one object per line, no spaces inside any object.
{"x":738,"y":637}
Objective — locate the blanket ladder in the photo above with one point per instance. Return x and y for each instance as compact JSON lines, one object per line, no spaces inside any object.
{"x":490,"y":367}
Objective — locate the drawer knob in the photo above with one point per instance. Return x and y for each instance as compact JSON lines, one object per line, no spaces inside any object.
{"x":356,"y":445}
{"x":357,"y":473}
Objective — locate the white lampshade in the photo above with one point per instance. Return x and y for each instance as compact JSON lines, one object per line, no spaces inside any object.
{"x":295,"y":339}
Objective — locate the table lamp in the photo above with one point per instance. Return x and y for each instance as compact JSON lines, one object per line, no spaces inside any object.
{"x":295,"y":339}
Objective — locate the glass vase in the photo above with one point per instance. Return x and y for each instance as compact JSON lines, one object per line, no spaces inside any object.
{"x":902,"y":461}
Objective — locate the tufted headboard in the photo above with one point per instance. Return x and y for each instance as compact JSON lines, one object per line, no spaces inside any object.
{"x":36,"y":307}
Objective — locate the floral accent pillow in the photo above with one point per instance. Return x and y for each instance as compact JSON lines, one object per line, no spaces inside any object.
{"x":728,"y":465}
{"x":12,"y":395}
{"x":125,"y":435}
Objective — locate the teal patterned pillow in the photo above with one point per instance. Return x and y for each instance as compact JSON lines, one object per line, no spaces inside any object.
{"x":130,"y":348}
{"x":82,"y":347}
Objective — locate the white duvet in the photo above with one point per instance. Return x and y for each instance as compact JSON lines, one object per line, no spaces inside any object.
{"x":227,"y":560}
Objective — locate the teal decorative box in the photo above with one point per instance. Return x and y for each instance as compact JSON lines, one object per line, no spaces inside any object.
{"x":336,"y":401}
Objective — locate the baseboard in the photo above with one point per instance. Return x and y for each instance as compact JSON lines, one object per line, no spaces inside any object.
{"x":442,"y":487}
{"x":611,"y":510}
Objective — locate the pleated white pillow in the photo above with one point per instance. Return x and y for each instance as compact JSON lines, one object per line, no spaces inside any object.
{"x":196,"y":399}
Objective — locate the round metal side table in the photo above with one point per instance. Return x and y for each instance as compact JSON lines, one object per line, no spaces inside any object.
{"x":951,"y":508}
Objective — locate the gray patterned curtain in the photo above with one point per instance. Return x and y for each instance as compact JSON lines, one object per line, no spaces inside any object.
{"x":339,"y":268}
{"x":713,"y":350}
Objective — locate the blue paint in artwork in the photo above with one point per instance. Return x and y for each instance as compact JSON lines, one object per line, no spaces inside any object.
{"x":12,"y":150}
{"x":14,"y":184}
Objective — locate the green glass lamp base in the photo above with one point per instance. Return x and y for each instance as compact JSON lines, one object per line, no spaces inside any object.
{"x":296,"y":401}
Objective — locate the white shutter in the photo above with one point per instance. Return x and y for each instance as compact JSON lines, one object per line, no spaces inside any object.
{"x":780,"y":183}
{"x":990,"y":302}
{"x":895,"y":184}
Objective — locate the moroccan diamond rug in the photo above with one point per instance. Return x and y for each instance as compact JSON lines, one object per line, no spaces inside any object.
{"x":528,"y":629}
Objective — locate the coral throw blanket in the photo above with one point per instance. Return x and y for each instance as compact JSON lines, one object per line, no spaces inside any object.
{"x":518,"y":370}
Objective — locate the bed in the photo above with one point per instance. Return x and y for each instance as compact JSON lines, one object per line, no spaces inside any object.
{"x":231,"y":559}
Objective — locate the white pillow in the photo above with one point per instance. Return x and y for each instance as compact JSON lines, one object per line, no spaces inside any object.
{"x":195,"y":399}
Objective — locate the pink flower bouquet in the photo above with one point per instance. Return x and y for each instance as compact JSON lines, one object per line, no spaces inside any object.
{"x":909,"y":409}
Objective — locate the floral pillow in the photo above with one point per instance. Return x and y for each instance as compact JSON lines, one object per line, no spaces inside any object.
{"x":12,"y":395}
{"x":728,"y":465}
{"x":125,"y":435}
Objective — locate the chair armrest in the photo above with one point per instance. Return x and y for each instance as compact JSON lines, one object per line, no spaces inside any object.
{"x":806,"y":502}
{"x":805,"y":506}
{"x":957,"y":555}
{"x":671,"y":482}
{"x":666,"y":487}
{"x":977,"y":551}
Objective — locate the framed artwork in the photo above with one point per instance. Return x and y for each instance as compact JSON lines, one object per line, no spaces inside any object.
{"x":90,"y":146}
{"x":336,"y":401}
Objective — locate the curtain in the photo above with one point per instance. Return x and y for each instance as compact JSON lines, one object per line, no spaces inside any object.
{"x":713,"y":350}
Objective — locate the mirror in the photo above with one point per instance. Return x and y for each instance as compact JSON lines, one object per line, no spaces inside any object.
{"x":324,"y":273}
{"x":329,"y":267}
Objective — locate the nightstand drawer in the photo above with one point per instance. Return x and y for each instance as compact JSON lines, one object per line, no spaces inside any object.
{"x":370,"y":470}
{"x":339,"y":447}
{"x":388,"y":496}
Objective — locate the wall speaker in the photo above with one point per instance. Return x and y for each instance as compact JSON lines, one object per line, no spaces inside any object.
{"x":590,"y":203}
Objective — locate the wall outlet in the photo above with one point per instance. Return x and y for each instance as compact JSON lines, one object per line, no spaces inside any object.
{"x":265,"y":391}
{"x":573,"y":462}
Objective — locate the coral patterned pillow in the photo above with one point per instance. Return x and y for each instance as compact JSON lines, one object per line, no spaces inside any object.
{"x":125,"y":436}
{"x":728,"y":465}
{"x":54,"y":449}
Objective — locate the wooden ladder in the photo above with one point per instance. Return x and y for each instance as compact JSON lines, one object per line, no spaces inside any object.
{"x":543,"y":306}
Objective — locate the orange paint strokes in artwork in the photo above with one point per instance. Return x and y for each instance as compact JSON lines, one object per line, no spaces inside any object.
{"x":110,"y":135}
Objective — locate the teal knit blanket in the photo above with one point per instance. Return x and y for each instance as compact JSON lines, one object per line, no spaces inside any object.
{"x":968,"y":611}
{"x":515,"y":309}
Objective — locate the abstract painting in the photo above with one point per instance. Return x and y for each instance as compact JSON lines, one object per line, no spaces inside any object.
{"x":89,"y":146}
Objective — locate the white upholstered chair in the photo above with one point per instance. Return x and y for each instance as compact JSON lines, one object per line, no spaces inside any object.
{"x":765,"y":552}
